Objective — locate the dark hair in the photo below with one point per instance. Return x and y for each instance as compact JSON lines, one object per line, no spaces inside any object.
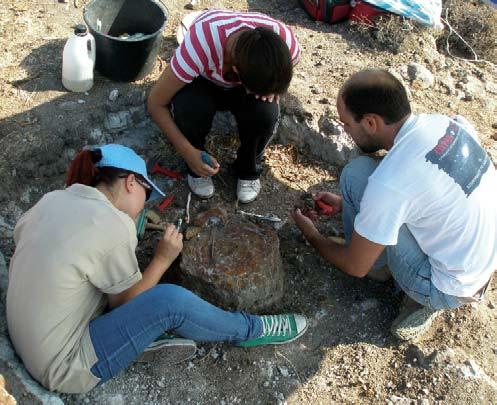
{"x":383,"y":94}
{"x":263,"y":61}
{"x":83,"y":170}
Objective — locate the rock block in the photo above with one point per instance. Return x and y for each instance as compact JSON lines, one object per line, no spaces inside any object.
{"x":233,"y":262}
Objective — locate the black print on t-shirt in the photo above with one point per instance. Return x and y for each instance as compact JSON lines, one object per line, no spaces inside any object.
{"x":460,"y":156}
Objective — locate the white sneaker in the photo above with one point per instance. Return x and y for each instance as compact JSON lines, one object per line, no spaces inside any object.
{"x":248,"y":190}
{"x":201,"y":186}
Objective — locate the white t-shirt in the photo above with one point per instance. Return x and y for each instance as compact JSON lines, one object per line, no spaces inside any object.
{"x":440,"y":182}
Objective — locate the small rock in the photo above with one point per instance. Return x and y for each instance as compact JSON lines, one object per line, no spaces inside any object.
{"x":68,"y":105}
{"x":424,"y":401}
{"x":81,"y":101}
{"x":420,"y":75}
{"x":283,"y":371}
{"x":368,"y":304}
{"x":193,"y":5}
{"x":161,"y":384}
{"x":491,"y":305}
{"x":491,"y":87}
{"x":113,"y":95}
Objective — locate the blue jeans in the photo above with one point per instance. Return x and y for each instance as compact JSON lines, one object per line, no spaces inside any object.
{"x":408,"y":264}
{"x":121,"y":335}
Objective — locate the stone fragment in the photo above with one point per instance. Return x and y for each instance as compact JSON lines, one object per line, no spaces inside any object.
{"x":69,"y":105}
{"x":117,"y":121}
{"x":5,"y":397}
{"x":283,"y":371}
{"x":233,"y":262}
{"x":473,"y":88}
{"x":369,"y":303}
{"x":192,"y":231}
{"x":420,"y":76}
{"x":332,"y":148}
{"x":113,"y":95}
{"x":491,"y":87}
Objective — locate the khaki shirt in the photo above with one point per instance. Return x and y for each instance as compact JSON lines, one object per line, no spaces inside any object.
{"x":72,"y":248}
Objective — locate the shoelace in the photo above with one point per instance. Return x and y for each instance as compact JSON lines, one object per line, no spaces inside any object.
{"x":276,"y":325}
{"x":200,"y":180}
{"x":249,"y":184}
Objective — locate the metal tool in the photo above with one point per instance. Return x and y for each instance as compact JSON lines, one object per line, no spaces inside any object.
{"x":269,"y":218}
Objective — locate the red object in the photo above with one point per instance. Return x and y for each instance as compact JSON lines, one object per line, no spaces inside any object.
{"x":330,"y":11}
{"x":364,"y":12}
{"x":166,"y":172}
{"x":323,"y":208}
{"x":164,"y":204}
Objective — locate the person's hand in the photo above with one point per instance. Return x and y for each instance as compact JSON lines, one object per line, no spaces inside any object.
{"x":199,"y":167}
{"x":333,"y":200}
{"x":269,"y":98}
{"x":304,"y":223}
{"x":170,"y":245}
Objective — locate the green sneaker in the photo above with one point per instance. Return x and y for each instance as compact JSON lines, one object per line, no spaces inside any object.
{"x":413,"y":321}
{"x":278,"y":329}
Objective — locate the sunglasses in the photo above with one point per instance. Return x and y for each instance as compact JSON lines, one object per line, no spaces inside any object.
{"x":141,"y":182}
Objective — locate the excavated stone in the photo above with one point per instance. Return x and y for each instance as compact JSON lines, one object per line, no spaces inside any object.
{"x":324,"y":139}
{"x":233,"y":263}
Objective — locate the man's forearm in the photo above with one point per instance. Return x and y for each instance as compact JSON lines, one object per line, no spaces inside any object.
{"x":332,"y":252}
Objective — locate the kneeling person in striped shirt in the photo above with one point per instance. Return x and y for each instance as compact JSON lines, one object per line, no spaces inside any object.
{"x":239,"y":62}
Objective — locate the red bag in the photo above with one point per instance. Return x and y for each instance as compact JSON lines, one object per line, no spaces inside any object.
{"x":330,"y":11}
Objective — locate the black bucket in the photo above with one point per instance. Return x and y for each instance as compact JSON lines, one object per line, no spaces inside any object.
{"x":120,"y":59}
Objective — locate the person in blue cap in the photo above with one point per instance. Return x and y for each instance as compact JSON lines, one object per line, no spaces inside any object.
{"x":79,"y":309}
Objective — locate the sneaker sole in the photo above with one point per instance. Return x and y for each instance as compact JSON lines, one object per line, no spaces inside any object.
{"x":174,"y":342}
{"x":202,"y":197}
{"x":406,"y":333}
{"x":171,"y":354}
{"x":248,"y":201}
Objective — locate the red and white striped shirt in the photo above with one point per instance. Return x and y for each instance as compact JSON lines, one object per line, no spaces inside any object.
{"x":201,"y":52}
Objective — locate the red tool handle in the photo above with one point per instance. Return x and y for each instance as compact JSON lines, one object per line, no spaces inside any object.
{"x":164,"y":204}
{"x":166,"y":172}
{"x":323,"y":208}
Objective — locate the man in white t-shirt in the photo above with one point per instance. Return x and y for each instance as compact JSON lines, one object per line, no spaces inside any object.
{"x":427,"y":209}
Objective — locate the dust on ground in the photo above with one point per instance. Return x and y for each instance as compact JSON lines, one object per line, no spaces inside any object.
{"x":348,"y":354}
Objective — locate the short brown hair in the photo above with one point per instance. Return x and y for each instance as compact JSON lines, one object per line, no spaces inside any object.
{"x":263,"y":61}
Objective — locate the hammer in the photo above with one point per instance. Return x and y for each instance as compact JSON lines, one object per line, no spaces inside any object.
{"x":147,"y":220}
{"x":154,"y":167}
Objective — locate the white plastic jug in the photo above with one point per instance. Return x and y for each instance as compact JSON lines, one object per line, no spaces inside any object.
{"x":78,"y":60}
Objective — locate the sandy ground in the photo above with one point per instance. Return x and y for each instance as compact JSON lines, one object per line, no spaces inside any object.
{"x":348,"y":354}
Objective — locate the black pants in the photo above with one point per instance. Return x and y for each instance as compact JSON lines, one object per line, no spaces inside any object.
{"x":193,"y":109}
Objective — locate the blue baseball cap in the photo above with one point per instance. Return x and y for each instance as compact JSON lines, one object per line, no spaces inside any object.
{"x":122,"y":157}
